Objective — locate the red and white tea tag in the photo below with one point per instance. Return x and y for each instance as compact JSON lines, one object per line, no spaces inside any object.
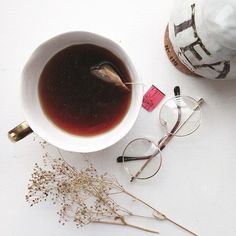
{"x":152,"y":98}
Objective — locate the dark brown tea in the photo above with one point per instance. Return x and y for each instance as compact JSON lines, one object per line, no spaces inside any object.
{"x":74,"y":99}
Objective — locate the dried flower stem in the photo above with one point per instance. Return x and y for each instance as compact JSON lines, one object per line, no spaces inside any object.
{"x":126,"y":224}
{"x":161,"y":215}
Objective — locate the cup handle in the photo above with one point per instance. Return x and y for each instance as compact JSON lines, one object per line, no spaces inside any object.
{"x":19,"y":132}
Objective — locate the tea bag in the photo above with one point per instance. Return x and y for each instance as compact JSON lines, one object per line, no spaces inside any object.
{"x":107,"y":73}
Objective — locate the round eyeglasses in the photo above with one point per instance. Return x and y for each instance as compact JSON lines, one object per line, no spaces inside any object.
{"x":180,"y":116}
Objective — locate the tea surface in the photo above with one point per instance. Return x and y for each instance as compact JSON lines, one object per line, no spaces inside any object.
{"x":74,"y":99}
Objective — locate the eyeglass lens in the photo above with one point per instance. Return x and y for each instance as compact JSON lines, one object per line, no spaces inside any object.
{"x":142,"y":149}
{"x":182,"y":108}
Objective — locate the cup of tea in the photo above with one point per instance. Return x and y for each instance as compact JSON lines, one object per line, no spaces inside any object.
{"x":67,"y":105}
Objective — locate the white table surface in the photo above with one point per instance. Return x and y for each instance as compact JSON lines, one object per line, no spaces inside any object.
{"x":196,"y":185}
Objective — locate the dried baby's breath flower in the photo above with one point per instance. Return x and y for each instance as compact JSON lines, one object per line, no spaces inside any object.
{"x":84,"y":196}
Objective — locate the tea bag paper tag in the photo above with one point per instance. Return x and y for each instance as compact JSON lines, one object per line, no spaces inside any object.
{"x":152,"y":98}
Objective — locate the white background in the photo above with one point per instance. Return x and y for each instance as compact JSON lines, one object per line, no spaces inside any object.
{"x":196,"y":185}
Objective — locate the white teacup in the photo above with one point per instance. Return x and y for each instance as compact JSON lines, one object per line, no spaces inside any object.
{"x":38,"y":122}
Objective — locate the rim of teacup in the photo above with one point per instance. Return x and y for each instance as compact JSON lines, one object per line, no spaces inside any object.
{"x":35,"y":115}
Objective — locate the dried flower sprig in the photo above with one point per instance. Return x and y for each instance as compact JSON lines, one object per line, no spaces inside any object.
{"x":85,"y":196}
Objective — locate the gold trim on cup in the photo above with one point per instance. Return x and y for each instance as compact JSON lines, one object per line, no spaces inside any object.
{"x":19,"y":132}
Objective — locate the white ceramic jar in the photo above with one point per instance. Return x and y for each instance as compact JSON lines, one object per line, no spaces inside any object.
{"x":201,"y":36}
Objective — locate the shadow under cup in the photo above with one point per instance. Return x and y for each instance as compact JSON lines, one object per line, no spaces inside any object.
{"x":35,"y":115}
